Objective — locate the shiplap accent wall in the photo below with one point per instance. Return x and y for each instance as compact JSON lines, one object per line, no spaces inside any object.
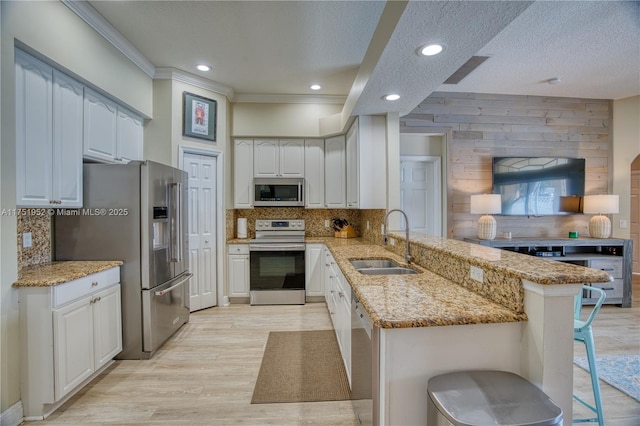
{"x":481,"y":126}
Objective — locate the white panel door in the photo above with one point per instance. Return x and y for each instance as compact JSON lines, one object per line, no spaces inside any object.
{"x":243,"y":174}
{"x":314,"y":173}
{"x":130,"y":136}
{"x":292,"y":158}
{"x":202,"y":229}
{"x":107,"y":325}
{"x":238,"y":273}
{"x":266,"y":158}
{"x":100,"y":128}
{"x":334,"y":173}
{"x":420,"y":195}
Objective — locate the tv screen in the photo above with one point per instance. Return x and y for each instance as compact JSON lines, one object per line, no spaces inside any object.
{"x":533,"y":186}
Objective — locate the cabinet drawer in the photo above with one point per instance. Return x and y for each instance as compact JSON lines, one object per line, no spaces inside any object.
{"x":612,"y":266}
{"x":68,"y":292}
{"x":613,"y":289}
{"x":238,"y":248}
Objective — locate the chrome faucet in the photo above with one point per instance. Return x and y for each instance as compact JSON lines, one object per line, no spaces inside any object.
{"x":407,"y":255}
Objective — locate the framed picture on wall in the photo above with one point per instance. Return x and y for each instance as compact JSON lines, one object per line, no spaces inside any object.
{"x":199,"y":119}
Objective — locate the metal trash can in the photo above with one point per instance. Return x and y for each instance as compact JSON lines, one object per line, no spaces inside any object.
{"x":480,"y":398}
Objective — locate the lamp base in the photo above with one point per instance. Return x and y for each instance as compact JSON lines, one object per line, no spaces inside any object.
{"x":487,"y":227}
{"x":599,"y":227}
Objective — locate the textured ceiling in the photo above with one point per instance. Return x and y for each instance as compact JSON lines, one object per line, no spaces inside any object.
{"x":366,"y":49}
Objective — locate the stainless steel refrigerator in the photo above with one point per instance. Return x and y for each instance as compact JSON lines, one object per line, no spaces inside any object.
{"x":136,"y":213}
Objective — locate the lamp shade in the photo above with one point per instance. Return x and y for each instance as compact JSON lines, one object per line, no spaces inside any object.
{"x":486,"y":204}
{"x":596,"y":204}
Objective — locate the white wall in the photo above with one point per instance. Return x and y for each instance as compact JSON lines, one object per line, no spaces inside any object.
{"x":285,"y":120}
{"x":50,"y":29}
{"x":420,"y":144}
{"x":626,"y":147}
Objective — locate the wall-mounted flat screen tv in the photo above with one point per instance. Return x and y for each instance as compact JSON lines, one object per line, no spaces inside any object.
{"x":533,"y":186}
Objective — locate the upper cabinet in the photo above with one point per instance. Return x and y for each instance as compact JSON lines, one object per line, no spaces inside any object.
{"x":48,"y":136}
{"x":243,"y":173}
{"x":278,"y":158}
{"x":314,"y":173}
{"x":334,"y":172}
{"x":112,"y":134}
{"x":366,"y":163}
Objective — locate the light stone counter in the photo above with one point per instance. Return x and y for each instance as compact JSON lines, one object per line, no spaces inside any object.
{"x":60,"y":272}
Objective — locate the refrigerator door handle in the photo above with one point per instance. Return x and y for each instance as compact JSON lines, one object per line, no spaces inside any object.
{"x":176,"y":206}
{"x":187,"y":277}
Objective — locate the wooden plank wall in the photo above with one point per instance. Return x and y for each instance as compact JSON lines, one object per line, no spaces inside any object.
{"x":482,"y":126}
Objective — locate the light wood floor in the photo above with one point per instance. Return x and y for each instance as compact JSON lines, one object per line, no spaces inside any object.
{"x":205,"y":374}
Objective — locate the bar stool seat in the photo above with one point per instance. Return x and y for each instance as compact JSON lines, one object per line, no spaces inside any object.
{"x":582,"y":332}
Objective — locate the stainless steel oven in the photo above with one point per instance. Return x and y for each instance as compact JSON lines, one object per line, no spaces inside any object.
{"x":276,"y":263}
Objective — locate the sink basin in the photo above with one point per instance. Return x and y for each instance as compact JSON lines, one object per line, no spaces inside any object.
{"x":374,"y":263}
{"x":398,"y":270}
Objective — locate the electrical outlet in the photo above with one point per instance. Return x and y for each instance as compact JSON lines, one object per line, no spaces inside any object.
{"x":392,"y":241}
{"x":476,"y":274}
{"x":26,"y":239}
{"x":367,"y":225}
{"x":623,"y":223}
{"x":382,"y":229}
{"x":326,"y":223}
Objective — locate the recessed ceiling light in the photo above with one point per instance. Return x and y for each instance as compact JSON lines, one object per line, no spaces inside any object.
{"x":431,"y":49}
{"x":315,"y":87}
{"x":392,"y":97}
{"x":203,"y":67}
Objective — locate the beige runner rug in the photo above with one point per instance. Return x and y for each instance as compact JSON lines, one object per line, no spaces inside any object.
{"x":301,"y":366}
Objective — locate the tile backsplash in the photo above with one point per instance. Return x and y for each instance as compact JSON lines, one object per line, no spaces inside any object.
{"x":38,"y":223}
{"x":314,"y":218}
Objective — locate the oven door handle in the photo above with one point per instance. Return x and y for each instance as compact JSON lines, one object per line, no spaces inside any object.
{"x":276,"y":247}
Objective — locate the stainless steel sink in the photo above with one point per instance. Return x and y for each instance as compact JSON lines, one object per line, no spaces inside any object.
{"x":381,"y":267}
{"x":387,"y":271}
{"x":374,"y":263}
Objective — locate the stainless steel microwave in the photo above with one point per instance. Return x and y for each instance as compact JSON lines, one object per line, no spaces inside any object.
{"x":278,"y":192}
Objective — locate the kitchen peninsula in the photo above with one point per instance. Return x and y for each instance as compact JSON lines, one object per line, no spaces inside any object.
{"x":470,"y":307}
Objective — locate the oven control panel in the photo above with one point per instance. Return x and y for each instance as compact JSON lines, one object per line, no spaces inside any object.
{"x":279,"y":225}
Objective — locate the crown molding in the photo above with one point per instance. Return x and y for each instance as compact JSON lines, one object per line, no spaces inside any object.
{"x":89,"y":15}
{"x":289,"y":99}
{"x":193,"y":80}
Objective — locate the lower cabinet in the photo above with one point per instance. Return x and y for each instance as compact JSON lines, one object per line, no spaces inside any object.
{"x":238,"y":270}
{"x":69,"y":333}
{"x":338,"y":297}
{"x":314,"y":265}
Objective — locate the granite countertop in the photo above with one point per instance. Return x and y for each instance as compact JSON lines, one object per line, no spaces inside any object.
{"x":60,"y":272}
{"x":418,"y":300}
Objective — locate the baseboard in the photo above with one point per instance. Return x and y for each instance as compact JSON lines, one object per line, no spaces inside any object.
{"x":12,"y":416}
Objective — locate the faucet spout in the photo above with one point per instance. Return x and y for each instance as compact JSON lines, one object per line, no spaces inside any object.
{"x":407,"y":255}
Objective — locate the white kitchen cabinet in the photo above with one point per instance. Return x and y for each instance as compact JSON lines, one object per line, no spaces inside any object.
{"x":112,"y":134}
{"x":48,"y":136}
{"x":334,"y":172}
{"x":278,"y":158}
{"x":314,"y":266}
{"x":314,"y":173}
{"x":366,"y":163}
{"x":69,"y":334}
{"x":238,"y":270}
{"x":243,"y":173}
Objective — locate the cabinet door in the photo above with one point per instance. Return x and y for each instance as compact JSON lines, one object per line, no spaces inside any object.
{"x":129,"y":141}
{"x":291,"y":158}
{"x":107,"y":325}
{"x":313,"y":270}
{"x":100,"y":128}
{"x":67,"y":141}
{"x":243,"y":174}
{"x":34,"y":130}
{"x":238,"y":276}
{"x":314,"y":173}
{"x":266,"y":158}
{"x":73,"y":345}
{"x":334,"y":172}
{"x":352,"y":167}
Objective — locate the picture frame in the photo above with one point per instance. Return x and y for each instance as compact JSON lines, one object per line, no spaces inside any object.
{"x":199,"y":117}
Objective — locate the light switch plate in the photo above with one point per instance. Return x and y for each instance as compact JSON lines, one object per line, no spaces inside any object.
{"x":26,"y":239}
{"x":326,"y":223}
{"x":367,"y":225}
{"x":392,"y":241}
{"x":477,"y":274}
{"x":623,"y":223}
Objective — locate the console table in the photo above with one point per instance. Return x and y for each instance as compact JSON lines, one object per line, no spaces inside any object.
{"x":612,"y":255}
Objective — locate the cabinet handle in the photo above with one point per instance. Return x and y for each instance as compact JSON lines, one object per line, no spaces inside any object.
{"x":95,"y":283}
{"x":326,"y":264}
{"x":341,"y":294}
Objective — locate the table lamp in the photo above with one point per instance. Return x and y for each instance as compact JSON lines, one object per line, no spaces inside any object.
{"x":486,"y":205}
{"x":599,"y":225}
